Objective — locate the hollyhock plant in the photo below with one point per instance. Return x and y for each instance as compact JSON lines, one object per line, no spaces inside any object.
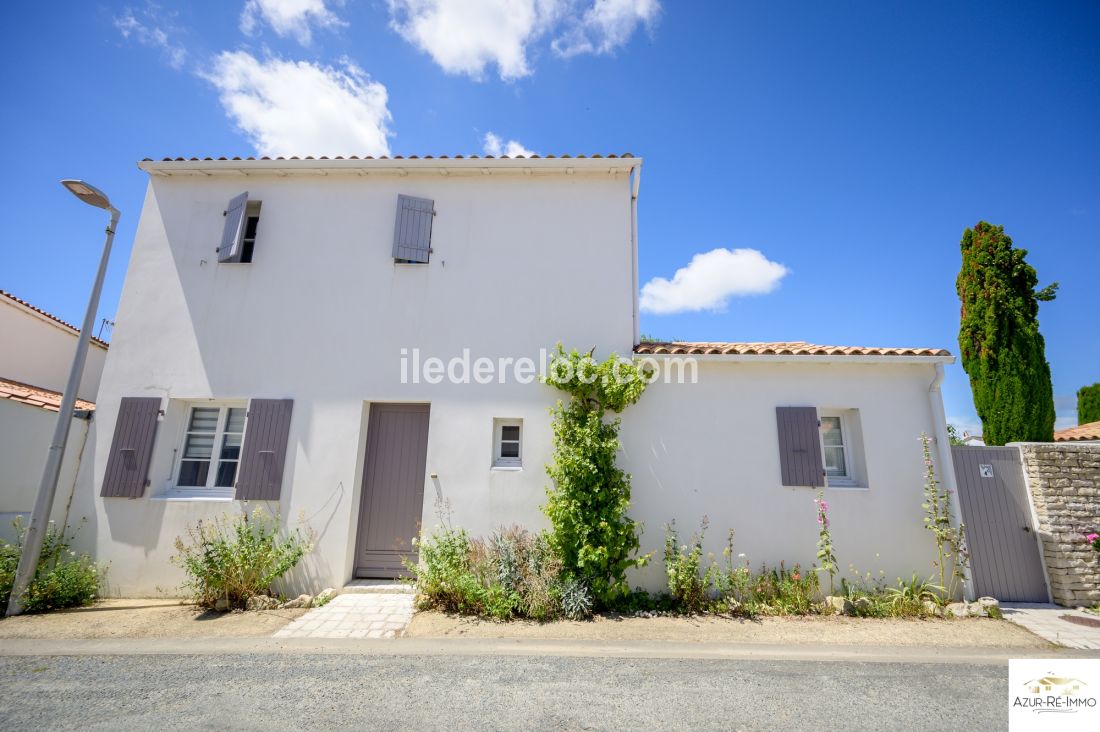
{"x":825,"y":553}
{"x":1094,"y":540}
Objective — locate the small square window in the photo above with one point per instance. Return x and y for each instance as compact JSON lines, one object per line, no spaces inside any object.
{"x":507,"y":443}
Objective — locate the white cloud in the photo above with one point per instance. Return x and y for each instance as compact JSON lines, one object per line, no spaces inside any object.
{"x":295,"y":18}
{"x":710,"y":280}
{"x":466,"y":36}
{"x":605,"y":26}
{"x":300,"y":108}
{"x":149,"y":27}
{"x":495,"y":146}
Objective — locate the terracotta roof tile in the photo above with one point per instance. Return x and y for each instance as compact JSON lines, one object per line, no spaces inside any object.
{"x":787,"y":348}
{"x":1087,"y":431}
{"x":395,"y":157}
{"x":52,"y":317}
{"x":35,"y":396}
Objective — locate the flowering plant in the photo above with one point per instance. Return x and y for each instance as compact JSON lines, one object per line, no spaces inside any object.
{"x":825,"y":553}
{"x":1094,"y":540}
{"x":953,"y":554}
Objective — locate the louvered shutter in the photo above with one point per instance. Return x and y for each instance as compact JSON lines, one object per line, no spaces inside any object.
{"x":230,"y":248}
{"x":412,"y":232}
{"x":800,"y":446}
{"x":131,"y":448}
{"x":264,"y":449}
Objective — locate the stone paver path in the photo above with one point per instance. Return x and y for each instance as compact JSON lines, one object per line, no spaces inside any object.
{"x":1046,"y":621}
{"x":370,"y":615}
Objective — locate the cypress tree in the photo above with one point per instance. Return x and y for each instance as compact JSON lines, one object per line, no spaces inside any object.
{"x":1002,"y":350}
{"x":1088,"y":404}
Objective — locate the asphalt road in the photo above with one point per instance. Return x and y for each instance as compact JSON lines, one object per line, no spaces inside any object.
{"x":291,"y":691}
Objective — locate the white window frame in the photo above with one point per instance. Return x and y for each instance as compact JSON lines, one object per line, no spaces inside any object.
{"x":209,"y":491}
{"x":838,"y":481}
{"x":507,"y":463}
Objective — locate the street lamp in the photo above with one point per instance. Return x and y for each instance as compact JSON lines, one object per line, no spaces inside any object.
{"x":40,"y":517}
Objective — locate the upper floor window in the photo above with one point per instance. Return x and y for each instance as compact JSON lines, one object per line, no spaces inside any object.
{"x":242,"y":219}
{"x":211,"y":449}
{"x":412,"y":230}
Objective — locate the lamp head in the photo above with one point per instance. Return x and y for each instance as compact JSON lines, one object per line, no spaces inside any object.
{"x":87,"y":193}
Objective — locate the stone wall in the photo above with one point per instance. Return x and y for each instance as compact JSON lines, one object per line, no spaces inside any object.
{"x":1064,"y":481}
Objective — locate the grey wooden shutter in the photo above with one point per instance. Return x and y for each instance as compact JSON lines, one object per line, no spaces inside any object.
{"x":800,"y":446}
{"x":230,"y":248}
{"x":264,"y":450}
{"x":131,"y":448}
{"x":412,"y":232}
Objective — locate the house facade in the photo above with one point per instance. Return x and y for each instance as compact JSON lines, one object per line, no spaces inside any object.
{"x":36,"y":353}
{"x":355,"y":344}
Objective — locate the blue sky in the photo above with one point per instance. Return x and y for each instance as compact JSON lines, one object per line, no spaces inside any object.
{"x":847,"y":143}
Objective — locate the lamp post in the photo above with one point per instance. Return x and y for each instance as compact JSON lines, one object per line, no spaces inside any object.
{"x":40,"y":518}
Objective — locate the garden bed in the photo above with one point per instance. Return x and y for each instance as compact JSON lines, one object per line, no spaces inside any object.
{"x":145,"y":619}
{"x":808,"y":630}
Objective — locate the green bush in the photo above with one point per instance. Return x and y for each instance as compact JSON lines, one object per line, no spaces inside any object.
{"x":512,"y":574}
{"x":587,"y":503}
{"x":231,"y":559}
{"x":688,"y":588}
{"x":63,"y":578}
{"x":1088,"y":404}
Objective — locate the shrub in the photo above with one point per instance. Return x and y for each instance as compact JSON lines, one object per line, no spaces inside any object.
{"x":590,"y":495}
{"x":688,"y":587}
{"x":231,"y":559}
{"x":512,"y":574}
{"x":63,"y":577}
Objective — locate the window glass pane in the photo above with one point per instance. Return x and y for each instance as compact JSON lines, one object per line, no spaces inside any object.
{"x":193,"y":473}
{"x":830,"y":431}
{"x":509,"y":432}
{"x":509,"y":449}
{"x":227,"y":473}
{"x":235,"y":421}
{"x":204,"y":419}
{"x":834,"y":462}
{"x":199,"y":446}
{"x":231,"y":447}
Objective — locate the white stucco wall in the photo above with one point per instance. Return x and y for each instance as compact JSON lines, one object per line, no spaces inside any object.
{"x":711,"y":449}
{"x":520,"y":262}
{"x":321,"y":315}
{"x":39,"y":351}
{"x":26,"y":433}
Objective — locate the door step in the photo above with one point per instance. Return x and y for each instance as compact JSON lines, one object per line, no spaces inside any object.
{"x":377,"y":587}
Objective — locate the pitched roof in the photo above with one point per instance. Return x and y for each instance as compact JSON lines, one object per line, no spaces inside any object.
{"x":787,"y":348}
{"x":35,"y":396}
{"x":1087,"y":431}
{"x":50,"y":316}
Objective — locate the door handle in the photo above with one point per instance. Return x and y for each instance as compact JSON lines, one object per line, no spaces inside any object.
{"x":1026,"y":528}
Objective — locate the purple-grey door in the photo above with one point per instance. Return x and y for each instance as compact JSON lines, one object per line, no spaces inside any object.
{"x":393,"y":489}
{"x":1004,"y":550}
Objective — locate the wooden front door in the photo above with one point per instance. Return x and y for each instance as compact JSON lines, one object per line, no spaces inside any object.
{"x":393,"y":489}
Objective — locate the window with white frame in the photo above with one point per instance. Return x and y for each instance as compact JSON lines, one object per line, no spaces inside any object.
{"x":507,"y":443}
{"x":211,"y":450}
{"x":835,"y":450}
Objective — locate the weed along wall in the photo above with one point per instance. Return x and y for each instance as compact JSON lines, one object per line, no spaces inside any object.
{"x":1064,"y":482}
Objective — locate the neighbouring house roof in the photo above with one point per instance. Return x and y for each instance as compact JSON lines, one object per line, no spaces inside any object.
{"x":49,"y":316}
{"x":398,"y":164}
{"x":36,"y":396}
{"x":786,"y":348}
{"x":1088,"y":431}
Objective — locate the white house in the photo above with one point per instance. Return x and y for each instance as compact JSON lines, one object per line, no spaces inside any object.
{"x":353,"y":342}
{"x":36,"y":351}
